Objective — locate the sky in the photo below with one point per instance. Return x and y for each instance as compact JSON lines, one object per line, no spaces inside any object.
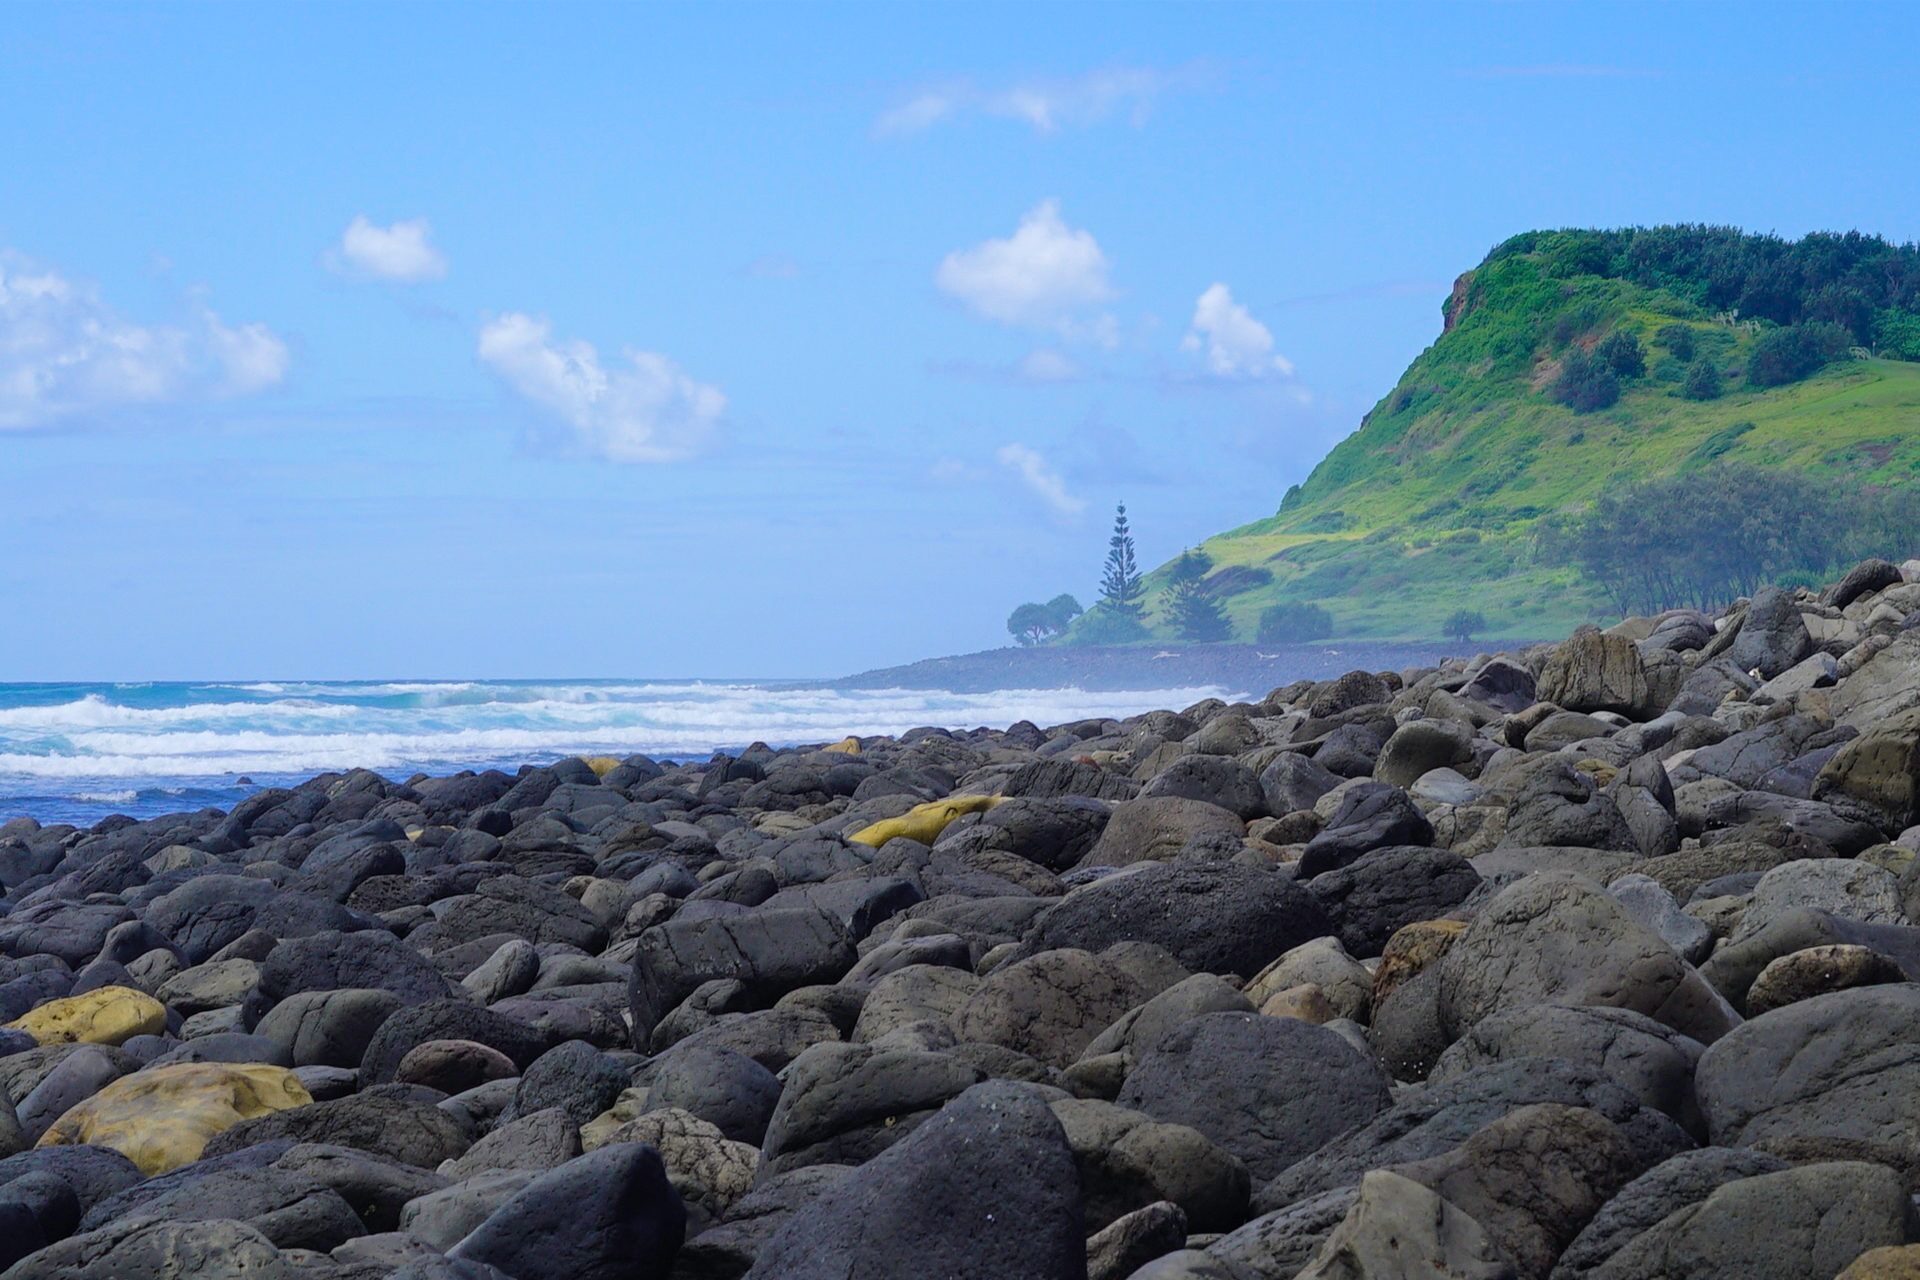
{"x":781,"y":340}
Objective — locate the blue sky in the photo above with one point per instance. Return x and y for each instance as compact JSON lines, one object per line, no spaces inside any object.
{"x":780,"y":340}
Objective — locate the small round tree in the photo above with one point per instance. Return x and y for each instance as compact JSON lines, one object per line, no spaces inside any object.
{"x":1586,"y":383}
{"x":1703,"y":380}
{"x":1622,"y":354}
{"x":1463,"y":624}
{"x":1293,"y":622}
{"x":1677,"y":338}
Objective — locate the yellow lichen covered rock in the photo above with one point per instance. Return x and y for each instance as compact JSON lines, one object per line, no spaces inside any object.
{"x":163,"y":1118}
{"x":923,"y":822}
{"x":845,"y":747}
{"x":602,"y":765}
{"x":107,"y":1015}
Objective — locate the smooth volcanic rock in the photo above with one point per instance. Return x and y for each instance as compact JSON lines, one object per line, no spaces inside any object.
{"x":1596,"y":670}
{"x":409,"y":1132}
{"x":1399,"y":1228}
{"x":327,"y":1028}
{"x":997,"y":1164}
{"x":1672,"y":1185}
{"x":608,"y":1215}
{"x":1156,"y":827}
{"x":1383,"y":891}
{"x":1801,"y":975}
{"x":1122,"y":1247}
{"x":770,"y":953}
{"x":453,"y":1066}
{"x":1215,"y":780}
{"x":1216,"y":917}
{"x":164,"y":1117}
{"x":1268,"y":1090}
{"x":1423,"y":1123}
{"x":161,"y":1250}
{"x":726,"y":1089}
{"x":331,"y":961}
{"x":1798,"y":1224}
{"x":1533,"y":1178}
{"x":1371,"y":816}
{"x":1128,"y":1160}
{"x":1048,"y":1006}
{"x":846,"y":1103}
{"x":1648,"y":1058}
{"x":1842,"y":1065}
{"x":1557,"y":938}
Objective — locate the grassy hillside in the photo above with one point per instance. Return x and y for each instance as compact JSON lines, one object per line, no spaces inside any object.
{"x":1437,"y":501}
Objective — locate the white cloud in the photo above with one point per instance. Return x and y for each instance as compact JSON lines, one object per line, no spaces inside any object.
{"x":922,"y":111}
{"x":1237,"y":345}
{"x":647,"y":411}
{"x":1045,"y":105}
{"x":1045,"y":275}
{"x":403,"y":253}
{"x":1038,"y":475}
{"x":251,"y":357}
{"x":1048,"y":365}
{"x":65,"y":353}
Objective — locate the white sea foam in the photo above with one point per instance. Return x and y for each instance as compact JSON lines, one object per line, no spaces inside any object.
{"x":302,"y":728}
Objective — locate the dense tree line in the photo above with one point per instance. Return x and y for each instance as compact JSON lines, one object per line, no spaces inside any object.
{"x":1706,"y":537}
{"x":1865,"y":284}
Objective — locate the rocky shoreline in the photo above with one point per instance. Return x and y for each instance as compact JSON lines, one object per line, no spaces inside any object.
{"x":1593,"y":960}
{"x":1111,"y":668}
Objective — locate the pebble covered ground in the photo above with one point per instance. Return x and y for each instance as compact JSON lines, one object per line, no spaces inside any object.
{"x":1594,"y":960}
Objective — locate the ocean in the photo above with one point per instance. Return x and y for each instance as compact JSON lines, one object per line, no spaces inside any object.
{"x":81,"y":752}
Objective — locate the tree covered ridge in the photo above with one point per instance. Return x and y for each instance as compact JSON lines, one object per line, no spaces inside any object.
{"x":1847,"y":278}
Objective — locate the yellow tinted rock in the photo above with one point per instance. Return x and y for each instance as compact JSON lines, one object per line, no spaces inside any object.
{"x":1412,"y":948}
{"x":845,"y":747}
{"x":1889,"y":1262}
{"x":602,"y":765}
{"x":1307,"y":1002}
{"x":163,"y":1118}
{"x":923,"y":822}
{"x":108,"y":1015}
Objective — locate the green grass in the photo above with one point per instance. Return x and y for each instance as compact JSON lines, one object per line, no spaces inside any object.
{"x":1432,"y":504}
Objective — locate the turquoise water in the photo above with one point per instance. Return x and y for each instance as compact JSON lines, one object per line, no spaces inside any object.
{"x":79,"y":752}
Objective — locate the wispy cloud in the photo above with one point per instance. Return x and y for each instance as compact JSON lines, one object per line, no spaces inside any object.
{"x":401,"y":253}
{"x":647,"y":411}
{"x":66,"y":355}
{"x":1046,"y":105}
{"x":1236,"y":345}
{"x":1038,"y":475}
{"x":1046,"y":275}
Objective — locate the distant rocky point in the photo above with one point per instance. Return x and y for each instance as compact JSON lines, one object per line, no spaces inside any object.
{"x":1240,"y":667}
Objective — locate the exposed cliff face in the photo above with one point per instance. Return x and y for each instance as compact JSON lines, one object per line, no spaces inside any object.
{"x":1458,"y":301}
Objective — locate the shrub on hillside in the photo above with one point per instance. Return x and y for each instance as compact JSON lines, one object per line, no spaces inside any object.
{"x":1677,"y":338}
{"x":1463,"y":624}
{"x":1294,"y":622}
{"x":1797,"y":351}
{"x":1703,"y":380}
{"x":1103,"y":624}
{"x":1623,"y":354}
{"x":1585,"y":384}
